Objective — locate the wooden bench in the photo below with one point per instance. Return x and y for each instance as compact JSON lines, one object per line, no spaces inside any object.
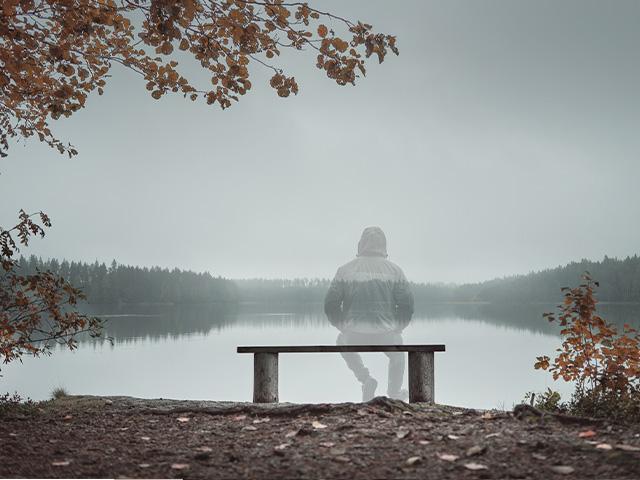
{"x":265,"y":366}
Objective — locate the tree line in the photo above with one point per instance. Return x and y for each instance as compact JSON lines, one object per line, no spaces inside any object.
{"x":619,"y":282}
{"x":618,"y":279}
{"x":118,"y":283}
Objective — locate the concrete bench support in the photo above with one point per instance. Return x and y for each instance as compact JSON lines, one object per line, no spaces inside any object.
{"x":265,"y":377}
{"x":265,"y":366}
{"x":421,"y":377}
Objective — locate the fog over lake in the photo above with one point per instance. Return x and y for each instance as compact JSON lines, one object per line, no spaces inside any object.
{"x":189,"y":353}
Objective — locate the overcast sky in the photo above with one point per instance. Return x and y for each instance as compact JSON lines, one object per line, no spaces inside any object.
{"x":503,"y":139}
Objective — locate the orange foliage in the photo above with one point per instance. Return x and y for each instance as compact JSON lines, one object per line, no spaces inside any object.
{"x":34,"y":311}
{"x":593,"y":353}
{"x":53,"y":53}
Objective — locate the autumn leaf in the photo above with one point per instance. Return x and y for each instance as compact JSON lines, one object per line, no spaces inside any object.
{"x":322,"y":30}
{"x":447,"y":457}
{"x":204,"y":449}
{"x":475,"y":466}
{"x":563,"y":469}
{"x":604,"y":446}
{"x":317,"y":425}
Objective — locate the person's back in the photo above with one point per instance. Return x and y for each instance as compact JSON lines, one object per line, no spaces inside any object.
{"x":370,"y":302}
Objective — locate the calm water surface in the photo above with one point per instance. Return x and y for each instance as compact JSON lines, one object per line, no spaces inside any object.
{"x":189,"y":353}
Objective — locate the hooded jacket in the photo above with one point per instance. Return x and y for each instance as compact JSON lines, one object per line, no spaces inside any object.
{"x":370,"y":294}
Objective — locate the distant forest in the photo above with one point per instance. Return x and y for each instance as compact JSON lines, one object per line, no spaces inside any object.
{"x":126,"y":284}
{"x":619,"y":282}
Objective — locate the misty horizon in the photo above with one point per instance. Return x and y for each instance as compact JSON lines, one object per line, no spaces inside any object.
{"x":328,"y":278}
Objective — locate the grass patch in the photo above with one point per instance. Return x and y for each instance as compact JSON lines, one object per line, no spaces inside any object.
{"x":14,"y":403}
{"x":58,"y":393}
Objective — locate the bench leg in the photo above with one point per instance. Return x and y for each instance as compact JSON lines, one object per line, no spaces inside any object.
{"x":265,"y":377}
{"x":421,"y":377}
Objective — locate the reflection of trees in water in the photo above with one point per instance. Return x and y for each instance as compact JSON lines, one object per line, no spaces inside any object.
{"x":155,"y":322}
{"x":527,"y":317}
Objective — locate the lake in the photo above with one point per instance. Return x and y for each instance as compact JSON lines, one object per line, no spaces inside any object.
{"x":189,"y":352}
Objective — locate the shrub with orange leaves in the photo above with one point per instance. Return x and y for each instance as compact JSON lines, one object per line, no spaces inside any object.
{"x":603,"y":362}
{"x":54,"y":53}
{"x":36,"y":311}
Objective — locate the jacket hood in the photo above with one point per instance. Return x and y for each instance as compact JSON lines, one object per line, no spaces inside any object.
{"x":373,"y":243}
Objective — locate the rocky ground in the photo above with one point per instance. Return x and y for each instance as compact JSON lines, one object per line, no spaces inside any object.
{"x":111,"y":437}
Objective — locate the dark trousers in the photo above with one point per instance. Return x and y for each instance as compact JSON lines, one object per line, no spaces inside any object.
{"x":355,"y":363}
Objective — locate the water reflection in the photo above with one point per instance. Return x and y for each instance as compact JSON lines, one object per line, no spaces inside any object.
{"x":189,"y":353}
{"x":135,"y":323}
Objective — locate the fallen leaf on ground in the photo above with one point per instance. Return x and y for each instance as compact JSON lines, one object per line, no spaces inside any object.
{"x":62,"y":463}
{"x":453,"y":437}
{"x":424,"y":442}
{"x":179,"y":466}
{"x":475,"y":466}
{"x":204,"y":449}
{"x":66,"y":418}
{"x":402,"y":433}
{"x":316,"y":424}
{"x":292,"y":433}
{"x":146,"y":439}
{"x":491,"y":435}
{"x":326,"y":444}
{"x":250,"y":428}
{"x":239,"y":417}
{"x":342,"y":459}
{"x":413,"y":460}
{"x":183,"y":419}
{"x":604,"y":446}
{"x":627,"y":448}
{"x":587,"y":434}
{"x":144,"y":465}
{"x":476,"y":450}
{"x":447,"y":457}
{"x":13,"y":434}
{"x":282,"y":446}
{"x":539,"y":456}
{"x":262,"y":420}
{"x":563,"y":469}
{"x":124,"y":429}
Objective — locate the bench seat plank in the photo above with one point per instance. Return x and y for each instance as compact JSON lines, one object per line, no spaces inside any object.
{"x":340,"y":348}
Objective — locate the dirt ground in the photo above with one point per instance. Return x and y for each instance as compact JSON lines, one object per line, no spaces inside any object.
{"x":111,"y":437}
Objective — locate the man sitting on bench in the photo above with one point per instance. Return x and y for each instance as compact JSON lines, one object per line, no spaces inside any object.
{"x":370,"y":302}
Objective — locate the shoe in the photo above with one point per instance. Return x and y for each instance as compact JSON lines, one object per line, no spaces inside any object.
{"x":400,"y":395}
{"x":369,"y":389}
